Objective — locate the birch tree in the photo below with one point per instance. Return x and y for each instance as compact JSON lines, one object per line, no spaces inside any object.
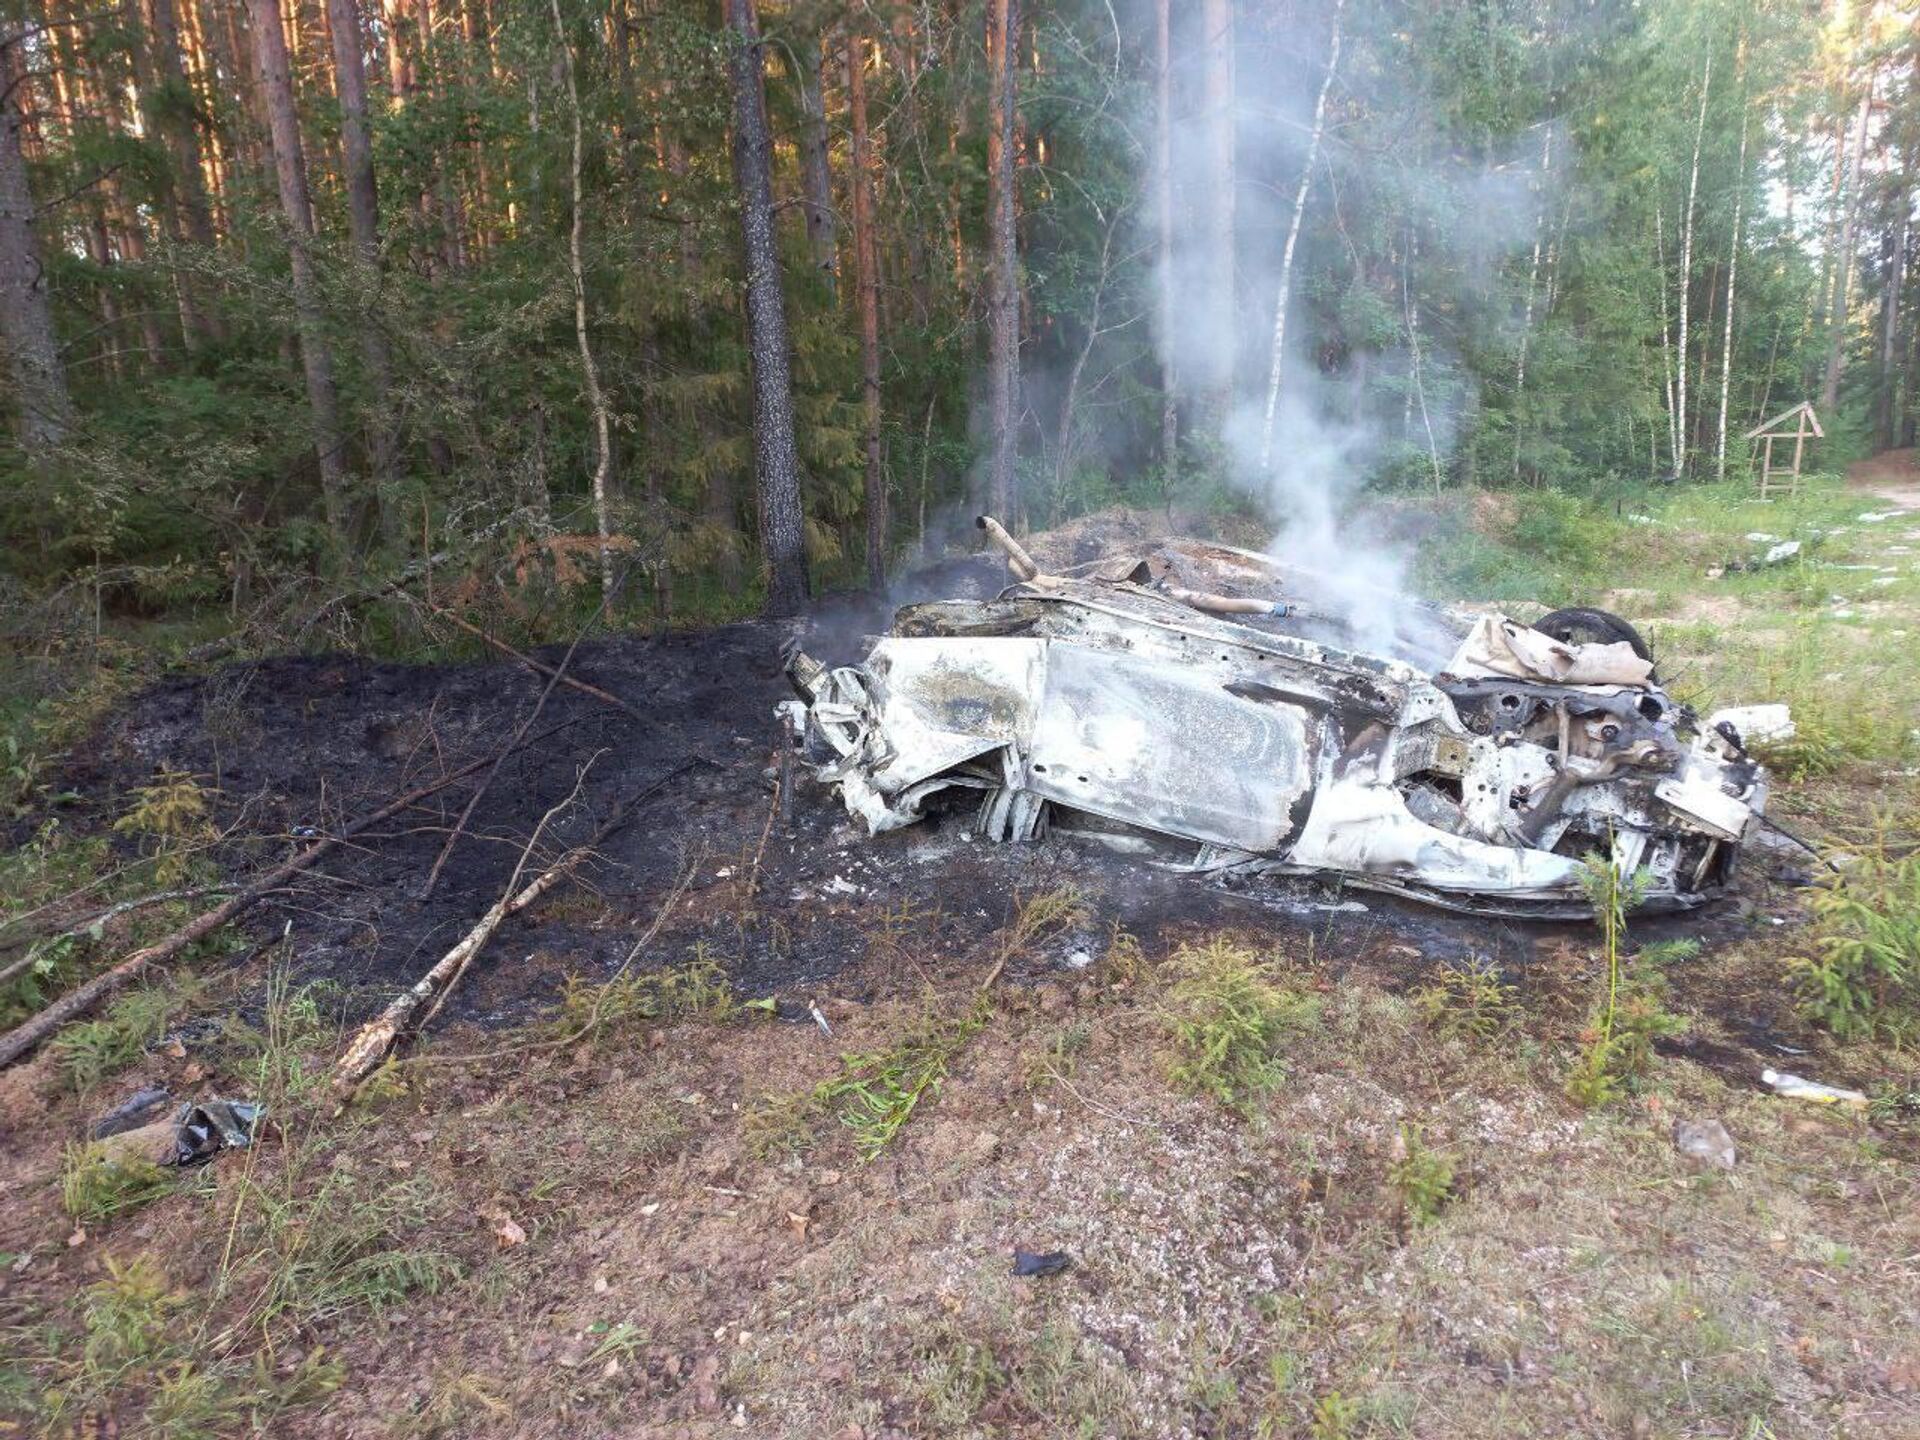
{"x":1293,"y":240}
{"x":1682,"y":440}
{"x":1733,"y":276}
{"x":43,"y":410}
{"x":1003,"y":292}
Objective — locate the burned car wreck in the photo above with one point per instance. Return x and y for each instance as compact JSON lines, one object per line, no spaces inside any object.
{"x":1195,"y":704}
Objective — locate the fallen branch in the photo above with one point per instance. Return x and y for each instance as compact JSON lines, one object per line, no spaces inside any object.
{"x":377,"y":1037}
{"x":519,"y":734}
{"x":539,"y":666}
{"x":27,"y":1035}
{"x":35,"y":943}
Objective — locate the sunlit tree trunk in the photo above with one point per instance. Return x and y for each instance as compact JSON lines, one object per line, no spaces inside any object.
{"x":867,"y":268}
{"x":1685,"y":285}
{"x":290,"y":170}
{"x":1003,"y":296}
{"x":776,"y":459}
{"x":1733,"y":276}
{"x":173,"y":111}
{"x":1533,"y":284}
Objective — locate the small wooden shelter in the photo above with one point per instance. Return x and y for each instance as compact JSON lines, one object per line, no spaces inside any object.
{"x":1798,"y":425}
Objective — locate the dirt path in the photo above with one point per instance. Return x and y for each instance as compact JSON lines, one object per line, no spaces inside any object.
{"x":1893,"y":475}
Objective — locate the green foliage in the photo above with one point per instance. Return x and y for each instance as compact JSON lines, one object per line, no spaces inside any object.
{"x":1226,"y":1017}
{"x":1420,"y":1177}
{"x":88,"y":1051}
{"x":1864,"y":978}
{"x":1617,"y":1047}
{"x":1467,"y":1001}
{"x":170,"y":816}
{"x":97,"y":1185}
{"x":696,"y":990}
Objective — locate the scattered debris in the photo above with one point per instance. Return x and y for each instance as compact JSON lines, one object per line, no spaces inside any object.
{"x":194,"y":1133}
{"x":1755,"y":724}
{"x":136,"y":1110}
{"x":1706,"y":1142}
{"x":813,"y":1009}
{"x":1167,"y":705}
{"x":1874,"y":517}
{"x":1796,"y":1088}
{"x":1049,"y":1262}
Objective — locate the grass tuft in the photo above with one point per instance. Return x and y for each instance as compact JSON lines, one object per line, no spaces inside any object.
{"x":1226,"y":1017}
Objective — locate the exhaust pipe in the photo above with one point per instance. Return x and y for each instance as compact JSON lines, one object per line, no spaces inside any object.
{"x":1018,"y":561}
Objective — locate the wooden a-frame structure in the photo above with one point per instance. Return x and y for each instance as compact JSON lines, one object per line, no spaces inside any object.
{"x":1805,"y":426}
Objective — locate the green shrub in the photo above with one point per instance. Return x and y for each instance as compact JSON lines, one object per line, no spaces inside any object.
{"x":1865,"y":978}
{"x":1226,"y":1017}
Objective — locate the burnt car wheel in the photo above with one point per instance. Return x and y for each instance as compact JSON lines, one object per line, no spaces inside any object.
{"x":1578,"y":625}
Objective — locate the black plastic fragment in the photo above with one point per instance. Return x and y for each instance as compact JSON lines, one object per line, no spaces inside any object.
{"x":1050,"y":1262}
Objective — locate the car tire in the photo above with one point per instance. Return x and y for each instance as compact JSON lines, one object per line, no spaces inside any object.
{"x":1578,"y":625}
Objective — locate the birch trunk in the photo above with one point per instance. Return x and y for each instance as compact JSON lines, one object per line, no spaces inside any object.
{"x":1733,"y":275}
{"x":1003,"y":298}
{"x":1890,"y":332}
{"x":589,"y":371}
{"x":1666,"y":340}
{"x":1681,"y":446}
{"x":1843,"y":256}
{"x":775,"y":456}
{"x":39,"y":379}
{"x":1293,"y":239}
{"x":1413,"y":352}
{"x":290,"y":170}
{"x":1533,"y":282}
{"x":867,"y":268}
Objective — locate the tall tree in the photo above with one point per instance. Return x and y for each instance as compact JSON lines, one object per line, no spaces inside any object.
{"x":171,"y":109}
{"x":1219,"y":354}
{"x":44,"y":411}
{"x":816,"y":174}
{"x":867,"y":271}
{"x":363,"y":220}
{"x":1293,"y":240}
{"x":1843,"y":255}
{"x":296,"y":208}
{"x":1163,"y":217}
{"x":776,"y":458}
{"x":1682,"y":443}
{"x":1003,"y":283}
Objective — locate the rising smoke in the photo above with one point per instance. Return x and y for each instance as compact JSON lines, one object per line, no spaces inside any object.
{"x":1465,"y":219}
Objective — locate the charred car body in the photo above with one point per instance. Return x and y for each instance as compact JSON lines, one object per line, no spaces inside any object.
{"x":1167,"y":704}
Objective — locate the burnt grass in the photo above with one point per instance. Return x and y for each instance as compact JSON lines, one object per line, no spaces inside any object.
{"x":784,"y":896}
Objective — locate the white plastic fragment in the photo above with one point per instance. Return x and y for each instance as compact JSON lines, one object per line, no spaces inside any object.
{"x":1794,"y":1087}
{"x":1755,"y":724}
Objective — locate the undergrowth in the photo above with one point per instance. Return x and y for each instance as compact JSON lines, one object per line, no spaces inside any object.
{"x":1226,"y":1016}
{"x":1864,"y":978}
{"x":1617,"y":1053}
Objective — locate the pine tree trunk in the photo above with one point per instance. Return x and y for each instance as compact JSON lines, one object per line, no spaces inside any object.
{"x":363,"y":219}
{"x":1896,"y":279}
{"x":175,"y":111}
{"x":866,"y":263}
{"x":1533,"y":283}
{"x":816,"y":177}
{"x":1003,"y":296}
{"x":1218,"y":355}
{"x":290,"y":169}
{"x":776,"y":459}
{"x":1293,"y":240}
{"x":1685,"y":286}
{"x":44,"y":411}
{"x":1843,"y":256}
{"x":1163,"y":215}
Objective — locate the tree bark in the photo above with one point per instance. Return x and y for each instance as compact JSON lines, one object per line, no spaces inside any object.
{"x":174,"y":112}
{"x":1681,"y":354}
{"x":776,"y":459}
{"x":363,"y":219}
{"x":1533,"y":283}
{"x":816,"y":176}
{"x":44,"y":410}
{"x":1293,"y":240}
{"x":290,"y":169}
{"x":1843,"y":257}
{"x":589,"y":371}
{"x":1733,"y":275}
{"x":1896,"y":280}
{"x":1003,"y":295}
{"x":1666,"y":338}
{"x":1163,"y":215}
{"x":1217,"y":321}
{"x":866,"y":265}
